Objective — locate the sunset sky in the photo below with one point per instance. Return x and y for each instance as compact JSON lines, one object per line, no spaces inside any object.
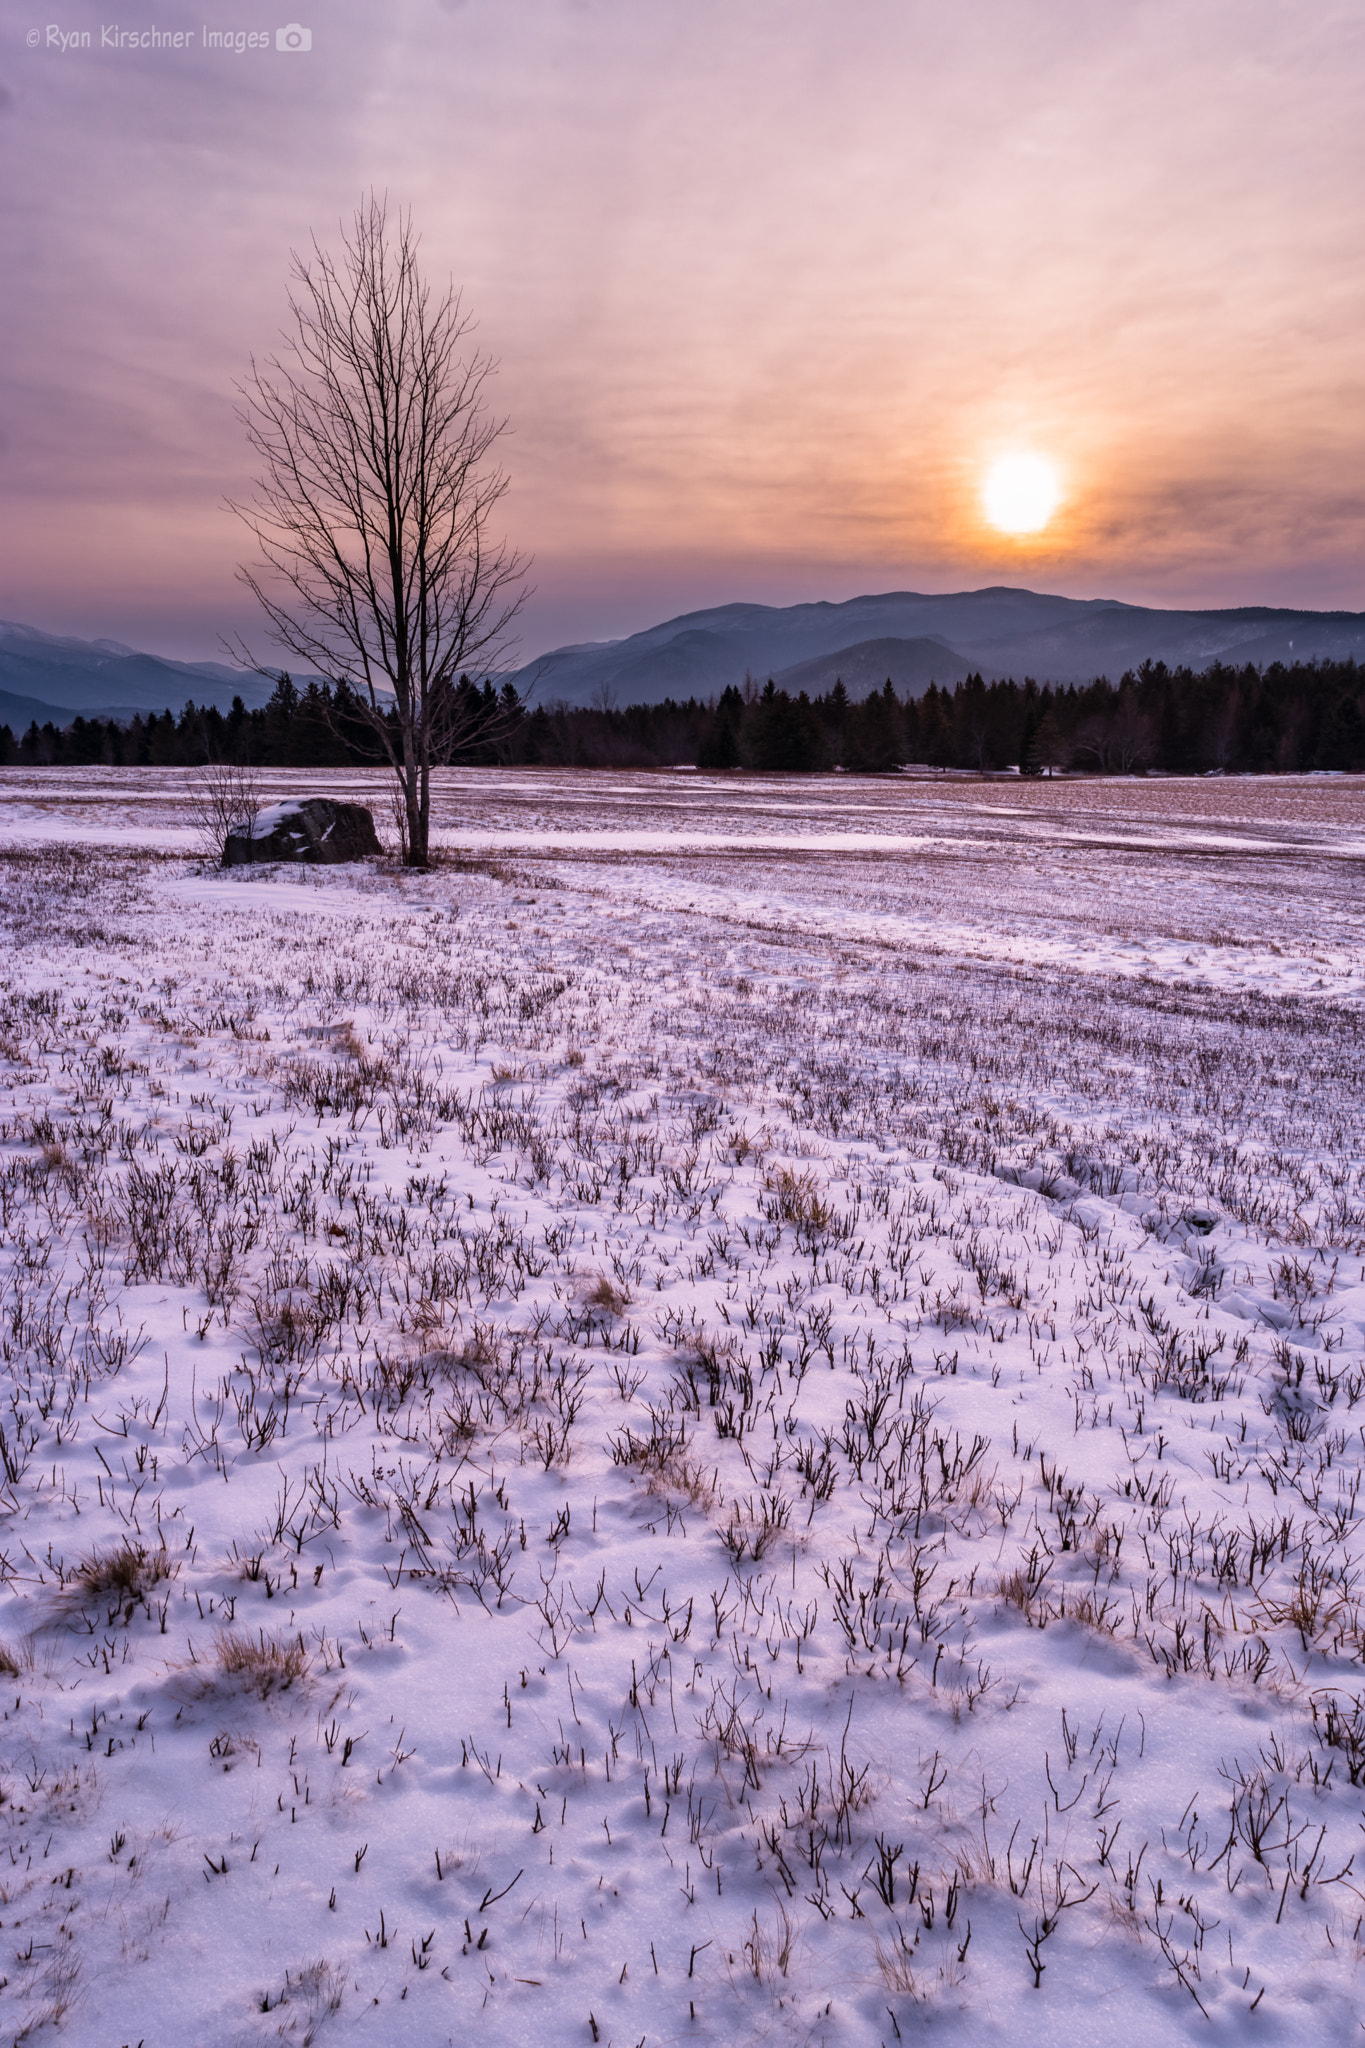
{"x":773,"y":285}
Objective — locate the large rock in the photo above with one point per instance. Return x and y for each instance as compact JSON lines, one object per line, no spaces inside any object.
{"x":312,"y":828}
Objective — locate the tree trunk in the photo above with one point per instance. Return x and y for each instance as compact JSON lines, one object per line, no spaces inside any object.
{"x":415,"y":851}
{"x":424,"y":814}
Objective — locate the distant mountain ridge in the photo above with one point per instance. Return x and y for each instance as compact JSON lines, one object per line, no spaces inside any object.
{"x":18,"y":713}
{"x":999,"y":631}
{"x":912,"y":665}
{"x":45,"y":675}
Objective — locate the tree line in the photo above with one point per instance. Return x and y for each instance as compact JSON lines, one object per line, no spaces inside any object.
{"x":1280,"y":719}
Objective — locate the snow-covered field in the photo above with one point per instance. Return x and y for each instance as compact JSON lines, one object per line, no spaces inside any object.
{"x":736,"y":1417}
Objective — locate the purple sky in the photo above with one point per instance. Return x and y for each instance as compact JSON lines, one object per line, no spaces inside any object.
{"x":771,"y":283}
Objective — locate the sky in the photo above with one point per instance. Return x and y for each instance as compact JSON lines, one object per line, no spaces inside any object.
{"x":772,"y":286}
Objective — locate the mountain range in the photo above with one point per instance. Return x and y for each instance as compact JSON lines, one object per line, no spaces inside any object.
{"x":915,"y":639}
{"x":46,"y":676}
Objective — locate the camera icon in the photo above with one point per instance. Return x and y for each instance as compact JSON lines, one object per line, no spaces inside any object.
{"x":292,"y":37}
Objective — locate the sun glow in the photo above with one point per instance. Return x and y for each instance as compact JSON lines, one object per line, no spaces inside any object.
{"x":1021,"y":493}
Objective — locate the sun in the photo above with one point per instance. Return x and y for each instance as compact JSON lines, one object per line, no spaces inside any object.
{"x":1022,"y":493}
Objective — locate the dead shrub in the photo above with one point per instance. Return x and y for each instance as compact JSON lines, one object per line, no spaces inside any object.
{"x":753,"y":1529}
{"x":225,"y":799}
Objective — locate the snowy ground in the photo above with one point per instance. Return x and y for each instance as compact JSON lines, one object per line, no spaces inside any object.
{"x":736,"y":1417}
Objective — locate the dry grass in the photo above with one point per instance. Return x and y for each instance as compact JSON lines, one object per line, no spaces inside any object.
{"x":462,"y":1856}
{"x":796,"y":1198}
{"x":125,"y":1573}
{"x":768,"y":1950}
{"x":316,"y":1989}
{"x":54,"y":1995}
{"x":344,"y":1040}
{"x":1018,"y":1589}
{"x":606,"y":1296}
{"x":479,"y":1355}
{"x":679,"y":1478}
{"x":263,"y":1664}
{"x":896,"y":1962}
{"x":1093,"y":1612}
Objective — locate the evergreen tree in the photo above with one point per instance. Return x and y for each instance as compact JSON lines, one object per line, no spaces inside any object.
{"x":720,"y":746}
{"x":1030,"y":761}
{"x":1049,"y":748}
{"x":971,"y":725}
{"x":1343,"y":737}
{"x":280,"y":713}
{"x":935,"y":726}
{"x":874,"y":733}
{"x":914,"y":744}
{"x":783,"y":737}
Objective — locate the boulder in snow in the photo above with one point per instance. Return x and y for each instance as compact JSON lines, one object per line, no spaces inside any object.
{"x":313,"y":828}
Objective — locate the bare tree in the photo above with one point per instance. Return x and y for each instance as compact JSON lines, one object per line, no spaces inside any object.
{"x":1131,"y":735}
{"x":1119,"y":739}
{"x":374,"y":501}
